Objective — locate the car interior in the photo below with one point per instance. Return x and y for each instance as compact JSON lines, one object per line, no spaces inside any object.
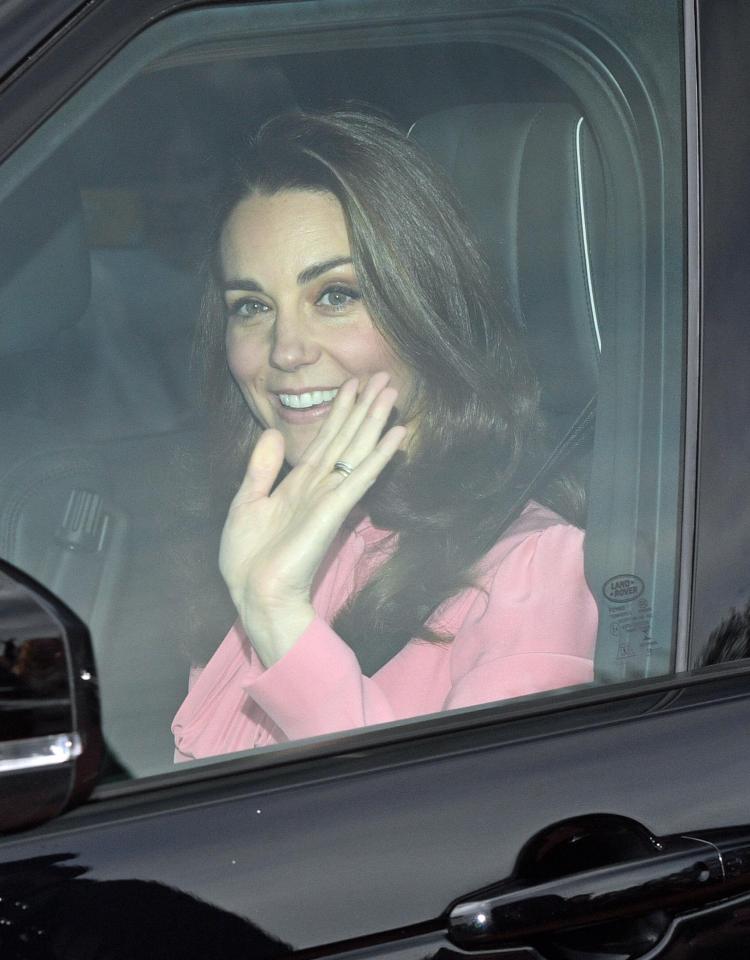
{"x":100,"y":287}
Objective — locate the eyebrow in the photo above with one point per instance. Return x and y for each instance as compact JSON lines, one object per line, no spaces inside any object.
{"x":318,"y":269}
{"x":310,"y":273}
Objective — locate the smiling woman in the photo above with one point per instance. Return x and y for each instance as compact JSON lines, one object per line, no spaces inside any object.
{"x":371,"y":431}
{"x":388,"y":413}
{"x":297,"y":325}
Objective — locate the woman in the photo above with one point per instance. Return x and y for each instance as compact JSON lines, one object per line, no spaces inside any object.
{"x":389,"y":411}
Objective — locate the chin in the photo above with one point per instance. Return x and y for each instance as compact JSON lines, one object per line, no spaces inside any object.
{"x":294,"y":449}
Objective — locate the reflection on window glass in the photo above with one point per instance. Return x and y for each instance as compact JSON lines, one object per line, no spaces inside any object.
{"x":356,"y":361}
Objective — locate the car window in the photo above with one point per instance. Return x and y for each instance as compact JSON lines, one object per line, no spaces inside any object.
{"x":248,"y":207}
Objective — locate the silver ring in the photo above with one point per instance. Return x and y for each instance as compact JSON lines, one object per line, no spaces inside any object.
{"x":341,"y":466}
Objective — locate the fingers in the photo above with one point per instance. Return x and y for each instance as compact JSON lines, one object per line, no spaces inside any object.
{"x":342,"y":406}
{"x":263,"y":466}
{"x":354,"y":424}
{"x":364,"y":428}
{"x":352,"y":488}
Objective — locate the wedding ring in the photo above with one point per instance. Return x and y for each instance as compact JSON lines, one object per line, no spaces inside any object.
{"x":341,"y":466}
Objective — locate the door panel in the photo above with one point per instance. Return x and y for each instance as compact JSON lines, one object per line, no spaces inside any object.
{"x":327,"y":856}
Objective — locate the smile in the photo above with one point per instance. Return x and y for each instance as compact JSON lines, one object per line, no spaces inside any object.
{"x":299,"y":401}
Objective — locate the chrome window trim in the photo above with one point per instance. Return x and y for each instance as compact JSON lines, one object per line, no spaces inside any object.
{"x":585,"y":235}
{"x":693,"y":317}
{"x":34,"y":752}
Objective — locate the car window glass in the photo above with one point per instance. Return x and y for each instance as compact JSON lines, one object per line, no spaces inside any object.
{"x":537,"y":514}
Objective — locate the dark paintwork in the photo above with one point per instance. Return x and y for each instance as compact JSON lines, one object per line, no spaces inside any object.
{"x":350,"y":854}
{"x":47,"y":687}
{"x":722,"y":579}
{"x":25,"y":24}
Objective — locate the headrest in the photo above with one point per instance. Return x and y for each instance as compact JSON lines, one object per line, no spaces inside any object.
{"x":531,"y":181}
{"x":44,"y":263}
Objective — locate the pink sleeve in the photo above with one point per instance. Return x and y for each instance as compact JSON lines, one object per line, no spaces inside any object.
{"x":537,"y":628}
{"x":534,"y":631}
{"x":179,"y":756}
{"x":318,"y":687}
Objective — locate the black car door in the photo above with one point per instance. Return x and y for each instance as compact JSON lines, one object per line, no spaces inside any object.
{"x":605,"y":820}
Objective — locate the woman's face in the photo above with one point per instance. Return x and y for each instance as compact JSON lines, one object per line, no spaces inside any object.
{"x":297,"y":327}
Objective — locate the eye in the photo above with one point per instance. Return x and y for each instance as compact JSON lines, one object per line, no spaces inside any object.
{"x":338,"y":297}
{"x":248,"y":308}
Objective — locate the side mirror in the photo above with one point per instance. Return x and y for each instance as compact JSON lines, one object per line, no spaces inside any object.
{"x":51,"y":746}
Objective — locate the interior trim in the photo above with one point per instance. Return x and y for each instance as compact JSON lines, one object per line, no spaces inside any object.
{"x":585,"y":235}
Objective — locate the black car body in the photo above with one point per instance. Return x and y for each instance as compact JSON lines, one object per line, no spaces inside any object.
{"x":607,"y":821}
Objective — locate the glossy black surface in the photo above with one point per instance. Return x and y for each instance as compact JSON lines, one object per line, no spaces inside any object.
{"x":681,"y":872}
{"x":47,"y":688}
{"x":352,"y":846}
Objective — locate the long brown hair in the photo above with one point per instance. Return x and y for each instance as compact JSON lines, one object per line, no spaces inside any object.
{"x":428,"y":292}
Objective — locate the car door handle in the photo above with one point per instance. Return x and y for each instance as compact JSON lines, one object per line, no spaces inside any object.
{"x":684,"y":871}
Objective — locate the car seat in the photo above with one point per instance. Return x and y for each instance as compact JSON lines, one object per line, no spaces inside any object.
{"x":90,"y":440}
{"x":533,"y":182}
{"x":563,"y":213}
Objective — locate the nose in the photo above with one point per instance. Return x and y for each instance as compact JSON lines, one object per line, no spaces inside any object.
{"x":292,"y":345}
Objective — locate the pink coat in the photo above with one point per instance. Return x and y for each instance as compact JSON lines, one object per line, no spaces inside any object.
{"x":530,"y":625}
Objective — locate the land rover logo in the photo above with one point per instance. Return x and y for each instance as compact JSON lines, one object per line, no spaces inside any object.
{"x":623,"y":588}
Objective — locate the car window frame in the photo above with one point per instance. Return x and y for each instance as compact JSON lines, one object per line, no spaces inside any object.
{"x":724,"y":79}
{"x":65,"y":71}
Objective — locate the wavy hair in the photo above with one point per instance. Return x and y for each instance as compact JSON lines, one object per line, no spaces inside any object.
{"x":429,"y":294}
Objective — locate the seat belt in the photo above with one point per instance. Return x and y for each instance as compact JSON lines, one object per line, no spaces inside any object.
{"x":575,"y":435}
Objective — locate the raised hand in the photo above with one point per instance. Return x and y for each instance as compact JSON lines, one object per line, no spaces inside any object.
{"x":273,"y":543}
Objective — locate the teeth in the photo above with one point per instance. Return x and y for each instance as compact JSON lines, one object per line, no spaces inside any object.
{"x":302,"y":400}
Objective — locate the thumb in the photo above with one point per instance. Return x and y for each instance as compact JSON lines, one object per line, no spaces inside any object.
{"x":263,"y":466}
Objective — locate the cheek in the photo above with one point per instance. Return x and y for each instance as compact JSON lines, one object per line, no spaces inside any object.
{"x":370,"y":353}
{"x":244,"y":359}
{"x":366,"y":353}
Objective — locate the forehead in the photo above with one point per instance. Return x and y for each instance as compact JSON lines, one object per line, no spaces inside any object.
{"x":284,"y":231}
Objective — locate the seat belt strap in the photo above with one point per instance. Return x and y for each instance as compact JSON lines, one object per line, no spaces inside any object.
{"x":577,"y":433}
